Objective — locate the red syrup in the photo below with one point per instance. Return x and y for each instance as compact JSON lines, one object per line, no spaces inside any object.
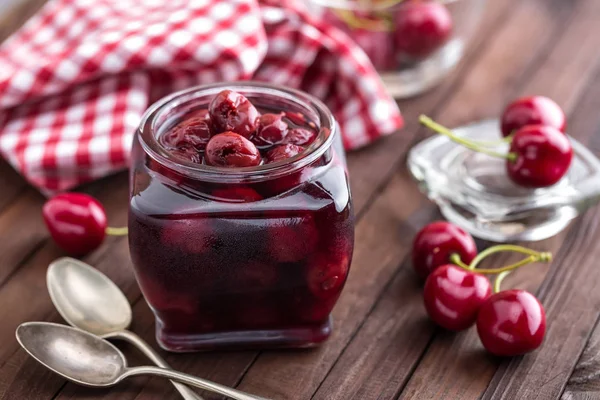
{"x":245,"y":264}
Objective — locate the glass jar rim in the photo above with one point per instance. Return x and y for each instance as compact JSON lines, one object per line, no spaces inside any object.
{"x":326,"y":124}
{"x":357,"y":5}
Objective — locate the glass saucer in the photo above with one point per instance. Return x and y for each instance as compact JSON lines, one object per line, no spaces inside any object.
{"x":474,"y":192}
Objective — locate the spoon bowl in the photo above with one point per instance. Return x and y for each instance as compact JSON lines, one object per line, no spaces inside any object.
{"x":86,"y":298}
{"x":89,"y":360}
{"x":72,"y":353}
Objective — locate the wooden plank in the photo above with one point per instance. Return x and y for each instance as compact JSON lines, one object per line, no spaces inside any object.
{"x":28,"y":288}
{"x":24,"y":296}
{"x":584,"y":383}
{"x":11,"y":185}
{"x":374,"y":365}
{"x":24,"y":375}
{"x":545,"y":372}
{"x":23,"y":231}
{"x":445,"y":359}
{"x":219,"y":376}
{"x":376,"y":279}
{"x":222,"y":367}
{"x":374,"y":259}
{"x":514,"y":54}
{"x":15,"y":15}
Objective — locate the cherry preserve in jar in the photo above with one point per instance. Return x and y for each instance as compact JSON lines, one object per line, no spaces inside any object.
{"x":240,"y":246}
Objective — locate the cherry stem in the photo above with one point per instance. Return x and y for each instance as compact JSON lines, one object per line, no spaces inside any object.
{"x":469,"y":144}
{"x":379,"y":8}
{"x":111,"y":231}
{"x":499,"y":280}
{"x":534,"y":256}
{"x":526,"y":261}
{"x":544,"y":256}
{"x":455,"y":259}
{"x":493,"y":143}
{"x":380,"y":5}
{"x":355,"y":22}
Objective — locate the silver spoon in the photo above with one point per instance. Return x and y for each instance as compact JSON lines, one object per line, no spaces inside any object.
{"x":87,"y":359}
{"x":89,"y":300}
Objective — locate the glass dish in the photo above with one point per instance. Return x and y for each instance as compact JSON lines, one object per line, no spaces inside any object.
{"x":240,"y":257}
{"x":474,"y":192}
{"x":373,"y":25}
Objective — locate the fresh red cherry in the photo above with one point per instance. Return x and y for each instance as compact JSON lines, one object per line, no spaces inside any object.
{"x":541,"y":156}
{"x":230,"y":111}
{"x":454,"y":295}
{"x":272,"y":129}
{"x":282,"y":152}
{"x":194,"y":132}
{"x":76,"y":222}
{"x":535,"y":110}
{"x":231,"y":150}
{"x":511,"y":323}
{"x":300,"y":136}
{"x":421,"y":28}
{"x":436,"y":242}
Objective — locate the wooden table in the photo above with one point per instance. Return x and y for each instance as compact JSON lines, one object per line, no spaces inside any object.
{"x":383,"y":346}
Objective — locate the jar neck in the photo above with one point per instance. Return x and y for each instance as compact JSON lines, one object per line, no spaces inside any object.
{"x":161,"y":115}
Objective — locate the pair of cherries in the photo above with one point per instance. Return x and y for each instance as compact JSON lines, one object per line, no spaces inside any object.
{"x":540,"y":152}
{"x":456,"y":296}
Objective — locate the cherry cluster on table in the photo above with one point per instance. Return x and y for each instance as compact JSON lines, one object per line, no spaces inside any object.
{"x":540,"y":152}
{"x":509,"y":322}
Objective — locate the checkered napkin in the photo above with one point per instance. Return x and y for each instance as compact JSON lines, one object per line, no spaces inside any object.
{"x":75,"y":80}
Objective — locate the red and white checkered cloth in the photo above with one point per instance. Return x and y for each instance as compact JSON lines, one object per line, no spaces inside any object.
{"x":75,"y":80}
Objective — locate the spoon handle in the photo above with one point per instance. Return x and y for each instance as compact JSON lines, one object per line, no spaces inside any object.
{"x":186,"y":392}
{"x":191,"y":380}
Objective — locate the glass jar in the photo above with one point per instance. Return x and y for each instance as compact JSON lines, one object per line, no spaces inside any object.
{"x":240,"y":257}
{"x":413,"y":44}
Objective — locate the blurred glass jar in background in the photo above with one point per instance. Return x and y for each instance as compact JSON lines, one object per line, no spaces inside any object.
{"x":413,"y":44}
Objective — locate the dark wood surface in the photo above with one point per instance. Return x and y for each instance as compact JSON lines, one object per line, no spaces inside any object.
{"x":383,"y":346}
